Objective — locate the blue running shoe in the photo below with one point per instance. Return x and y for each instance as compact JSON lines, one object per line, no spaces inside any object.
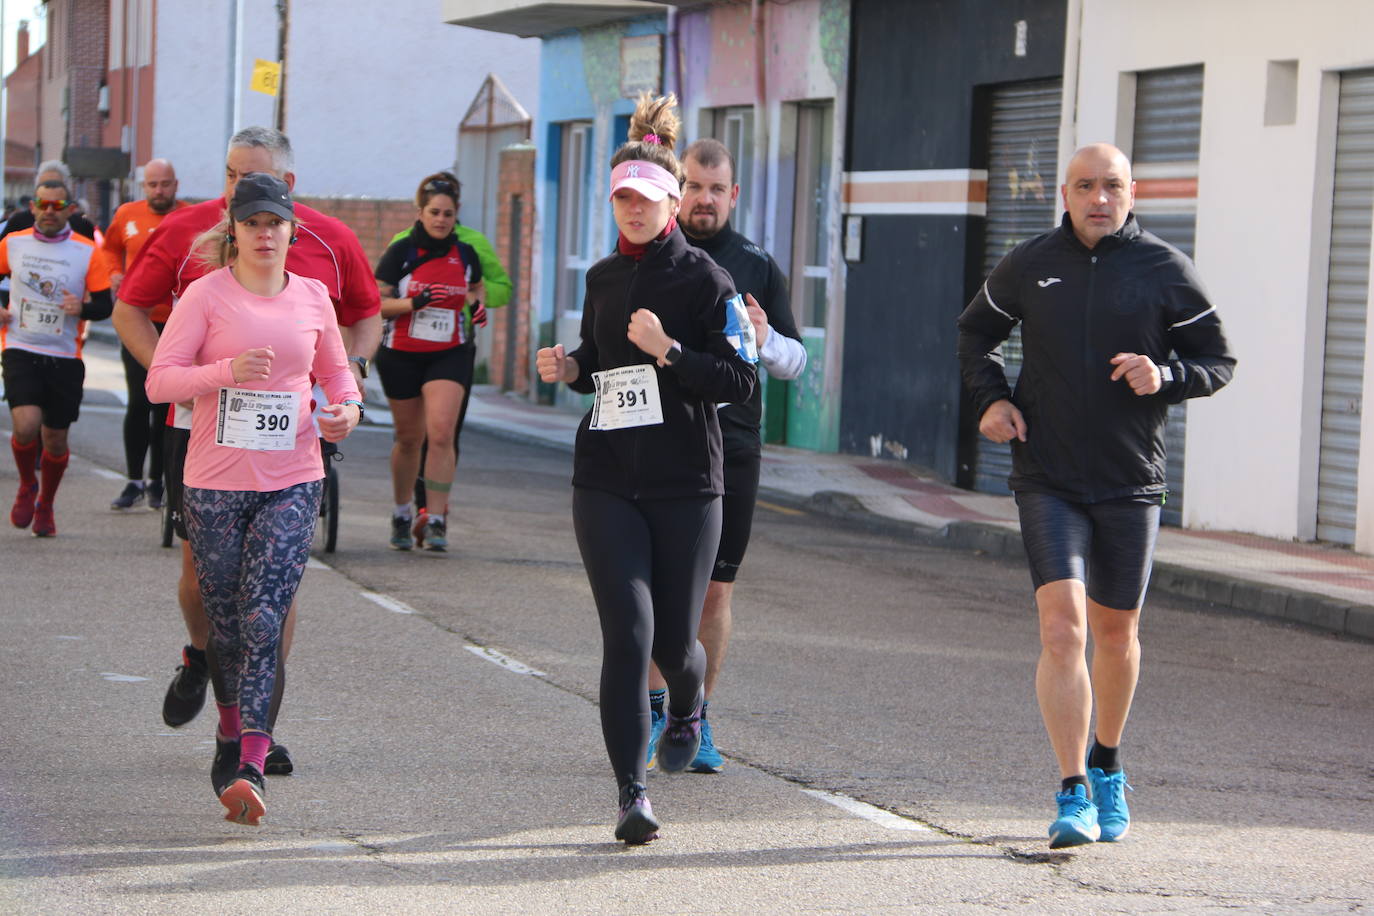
{"x":1109,"y":794}
{"x":681,"y":739}
{"x":708,"y":759}
{"x":657,"y":723}
{"x":1077,"y":821}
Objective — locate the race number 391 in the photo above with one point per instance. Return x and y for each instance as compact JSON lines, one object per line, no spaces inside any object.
{"x":626,"y":397}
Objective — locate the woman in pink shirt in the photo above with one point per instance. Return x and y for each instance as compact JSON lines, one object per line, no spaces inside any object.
{"x":243,"y":343}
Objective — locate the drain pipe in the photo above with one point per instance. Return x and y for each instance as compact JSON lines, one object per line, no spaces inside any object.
{"x":758,"y":180}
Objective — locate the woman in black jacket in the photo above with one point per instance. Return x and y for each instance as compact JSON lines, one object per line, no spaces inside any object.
{"x":647,"y":463}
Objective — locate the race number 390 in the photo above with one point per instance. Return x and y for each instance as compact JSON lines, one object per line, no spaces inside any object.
{"x":260,"y":420}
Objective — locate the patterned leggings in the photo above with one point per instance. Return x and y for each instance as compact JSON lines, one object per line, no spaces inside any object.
{"x":250,"y":550}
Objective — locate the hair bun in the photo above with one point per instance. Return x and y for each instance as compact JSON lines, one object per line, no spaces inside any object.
{"x":655,"y":117}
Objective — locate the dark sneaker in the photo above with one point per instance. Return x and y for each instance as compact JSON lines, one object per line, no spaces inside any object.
{"x":278,"y":762}
{"x":186,"y":694}
{"x":43,"y":524}
{"x":636,"y":824}
{"x":708,"y":759}
{"x":22,"y":512}
{"x":155,"y":494}
{"x":1109,"y":794}
{"x":681,"y":740}
{"x":1077,"y":821}
{"x":658,"y":721}
{"x":244,"y":799}
{"x":418,"y":529}
{"x":400,"y":533}
{"x":436,"y":534}
{"x":132,"y":495}
{"x":226,"y":764}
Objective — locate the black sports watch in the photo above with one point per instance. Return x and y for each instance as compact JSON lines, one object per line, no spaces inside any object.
{"x":674,"y":353}
{"x":362,"y":364}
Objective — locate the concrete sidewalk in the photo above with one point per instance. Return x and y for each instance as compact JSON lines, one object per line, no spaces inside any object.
{"x":1324,"y":587}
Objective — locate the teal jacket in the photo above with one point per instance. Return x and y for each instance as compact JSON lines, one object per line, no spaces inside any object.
{"x":494,"y":276}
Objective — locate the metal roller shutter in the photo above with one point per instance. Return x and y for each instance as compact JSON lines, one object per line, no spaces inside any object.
{"x":1347,"y":297}
{"x":1168,"y":129}
{"x":1022,"y":184}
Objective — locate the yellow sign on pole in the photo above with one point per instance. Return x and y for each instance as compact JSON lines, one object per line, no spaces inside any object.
{"x":266,"y":76}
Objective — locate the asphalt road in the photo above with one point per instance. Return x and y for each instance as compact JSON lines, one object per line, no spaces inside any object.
{"x":884,"y":749}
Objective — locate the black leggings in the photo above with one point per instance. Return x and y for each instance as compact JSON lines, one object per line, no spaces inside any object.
{"x":648,"y":563}
{"x":143,"y":422}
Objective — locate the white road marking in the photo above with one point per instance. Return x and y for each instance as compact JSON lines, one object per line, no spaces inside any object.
{"x":313,"y":563}
{"x":391,"y":604}
{"x":122,"y":678}
{"x":868,"y":812}
{"x":106,"y":473}
{"x":505,"y":661}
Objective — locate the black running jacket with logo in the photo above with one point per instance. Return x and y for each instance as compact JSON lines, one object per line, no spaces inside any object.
{"x":1088,"y":438}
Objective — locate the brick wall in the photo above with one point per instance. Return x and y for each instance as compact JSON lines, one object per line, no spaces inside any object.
{"x":516,"y":178}
{"x":374,"y":221}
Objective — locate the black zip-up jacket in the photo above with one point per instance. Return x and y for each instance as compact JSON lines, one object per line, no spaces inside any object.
{"x":680,"y":457}
{"x":753,"y":271}
{"x":1088,"y":438}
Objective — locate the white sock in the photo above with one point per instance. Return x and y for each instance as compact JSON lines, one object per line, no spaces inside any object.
{"x":402,"y":510}
{"x":437,"y":518}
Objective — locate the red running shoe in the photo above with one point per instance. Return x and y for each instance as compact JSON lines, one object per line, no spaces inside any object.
{"x":418,"y":529}
{"x":22,"y":513}
{"x":43,"y":524}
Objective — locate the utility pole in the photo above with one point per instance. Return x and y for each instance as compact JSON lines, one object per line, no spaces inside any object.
{"x":283,"y":29}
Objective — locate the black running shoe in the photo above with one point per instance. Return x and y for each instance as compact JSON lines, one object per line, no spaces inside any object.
{"x":681,"y":739}
{"x":186,"y":694}
{"x":244,"y":799}
{"x":154,"y":492}
{"x":636,"y":823}
{"x":226,"y":763}
{"x":132,"y":495}
{"x":278,"y":762}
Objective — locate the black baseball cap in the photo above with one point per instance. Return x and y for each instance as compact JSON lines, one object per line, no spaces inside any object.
{"x":259,"y":192}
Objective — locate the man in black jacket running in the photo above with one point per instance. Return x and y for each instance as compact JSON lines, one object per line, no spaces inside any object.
{"x":709,"y":194}
{"x":1116,"y":326}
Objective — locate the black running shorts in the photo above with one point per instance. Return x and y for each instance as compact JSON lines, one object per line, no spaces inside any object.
{"x":52,"y":383}
{"x":404,"y":373}
{"x":737,"y":514}
{"x":1109,"y":546}
{"x":174,"y":444}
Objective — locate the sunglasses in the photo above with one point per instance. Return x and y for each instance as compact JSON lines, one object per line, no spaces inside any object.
{"x":51,"y":204}
{"x":442,"y":187}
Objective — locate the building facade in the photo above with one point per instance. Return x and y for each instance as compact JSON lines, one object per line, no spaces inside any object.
{"x":768,"y":81}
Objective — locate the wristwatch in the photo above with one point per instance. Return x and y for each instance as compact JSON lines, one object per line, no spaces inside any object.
{"x":358,"y":404}
{"x":673,"y":354}
{"x":362,"y":364}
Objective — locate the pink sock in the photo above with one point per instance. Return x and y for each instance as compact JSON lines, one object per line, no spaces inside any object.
{"x":253,"y":748}
{"x":228,"y":721}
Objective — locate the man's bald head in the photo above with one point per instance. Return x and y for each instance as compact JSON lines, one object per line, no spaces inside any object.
{"x":160,"y":185}
{"x":1098,"y":191}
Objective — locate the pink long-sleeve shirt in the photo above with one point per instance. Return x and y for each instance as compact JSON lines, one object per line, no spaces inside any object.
{"x":215,"y":321}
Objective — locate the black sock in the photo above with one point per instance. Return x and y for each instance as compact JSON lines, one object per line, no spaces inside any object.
{"x":656,"y":700}
{"x":1066,"y":785}
{"x":195,"y":656}
{"x":1106,"y":759}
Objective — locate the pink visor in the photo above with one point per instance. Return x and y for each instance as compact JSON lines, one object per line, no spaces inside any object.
{"x":653,"y":181}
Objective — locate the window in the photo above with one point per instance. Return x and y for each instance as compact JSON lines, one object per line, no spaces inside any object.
{"x":574,"y":215}
{"x":811,"y":218}
{"x":734,"y":127}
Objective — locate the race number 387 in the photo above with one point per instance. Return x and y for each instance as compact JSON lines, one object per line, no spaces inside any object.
{"x":626,"y":397}
{"x":263,"y":420}
{"x":41,"y":317}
